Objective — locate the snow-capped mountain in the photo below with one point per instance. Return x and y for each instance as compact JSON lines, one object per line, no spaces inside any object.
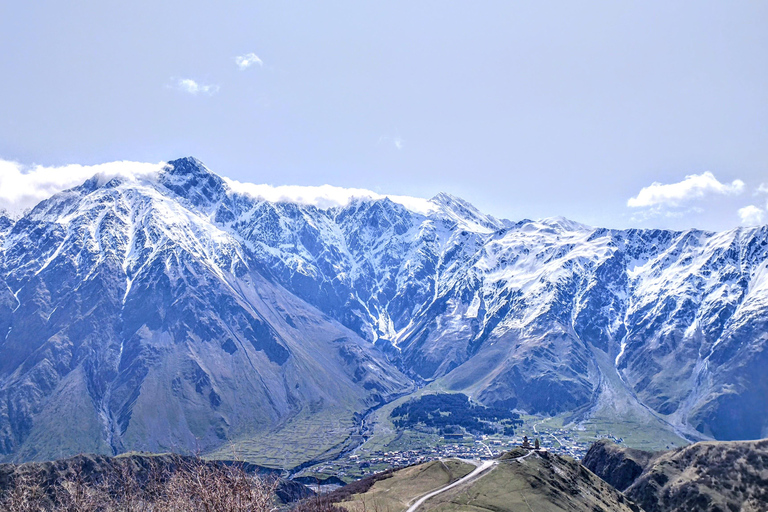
{"x":132,"y":320}
{"x":181,"y":310}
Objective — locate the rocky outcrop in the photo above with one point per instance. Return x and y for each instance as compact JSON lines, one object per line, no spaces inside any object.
{"x":617,"y":465}
{"x":706,"y":477}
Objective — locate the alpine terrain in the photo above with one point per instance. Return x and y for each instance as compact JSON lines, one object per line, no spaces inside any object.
{"x":707,"y":477}
{"x":178,"y":311}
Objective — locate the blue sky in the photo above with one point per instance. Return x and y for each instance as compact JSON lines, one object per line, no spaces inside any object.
{"x":526,"y":109}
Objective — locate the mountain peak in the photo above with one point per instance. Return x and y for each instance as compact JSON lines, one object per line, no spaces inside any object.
{"x":454,"y":202}
{"x":189,"y":178}
{"x":187,"y":165}
{"x":466,"y":212}
{"x":445,"y":197}
{"x":564,"y":224}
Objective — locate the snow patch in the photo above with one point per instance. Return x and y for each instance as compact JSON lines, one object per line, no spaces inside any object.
{"x":474,"y":306}
{"x":621,"y":353}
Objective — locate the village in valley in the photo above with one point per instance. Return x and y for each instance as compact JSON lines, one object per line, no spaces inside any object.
{"x":360,"y":463}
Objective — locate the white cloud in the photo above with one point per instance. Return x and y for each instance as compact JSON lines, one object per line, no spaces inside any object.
{"x":23,"y":187}
{"x":762,"y":189}
{"x":247,"y":60}
{"x":195,"y":88}
{"x":397,"y":141}
{"x":751,"y":215}
{"x":694,"y":186}
{"x":324,"y":196}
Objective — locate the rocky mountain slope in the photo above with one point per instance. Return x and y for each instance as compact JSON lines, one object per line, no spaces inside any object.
{"x":176,"y":311}
{"x":141,"y":482}
{"x":133,"y":322}
{"x":707,"y":477}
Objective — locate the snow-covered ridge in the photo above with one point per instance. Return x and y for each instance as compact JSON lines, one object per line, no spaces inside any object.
{"x":22,"y":187}
{"x":436,"y":280}
{"x":324,"y":196}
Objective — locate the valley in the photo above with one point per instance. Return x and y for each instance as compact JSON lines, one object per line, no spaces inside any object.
{"x":385,"y":256}
{"x":178,"y":312}
{"x":707,"y":476}
{"x":383,"y":445}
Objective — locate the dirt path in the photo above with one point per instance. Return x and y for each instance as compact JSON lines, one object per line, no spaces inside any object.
{"x":474,"y":474}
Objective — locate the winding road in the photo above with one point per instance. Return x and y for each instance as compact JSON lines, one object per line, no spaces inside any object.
{"x":483,"y":467}
{"x":474,"y":474}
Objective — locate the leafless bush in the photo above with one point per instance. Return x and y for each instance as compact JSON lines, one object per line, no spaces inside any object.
{"x":317,"y":504}
{"x":218,"y":488}
{"x":188,"y":485}
{"x":75,"y":495}
{"x":24,"y":496}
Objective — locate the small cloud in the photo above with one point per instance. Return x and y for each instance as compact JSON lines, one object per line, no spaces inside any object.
{"x":194,"y":88}
{"x":762,"y":189}
{"x":247,"y":60}
{"x":397,"y":141}
{"x":694,"y":186}
{"x":751,"y":215}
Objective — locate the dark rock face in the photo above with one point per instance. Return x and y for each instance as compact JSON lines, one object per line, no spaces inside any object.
{"x":235,"y":312}
{"x":707,"y":477}
{"x":618,"y":466}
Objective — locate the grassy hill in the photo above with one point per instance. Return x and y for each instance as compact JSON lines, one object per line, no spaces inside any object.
{"x":399,"y":490}
{"x":518,"y":481}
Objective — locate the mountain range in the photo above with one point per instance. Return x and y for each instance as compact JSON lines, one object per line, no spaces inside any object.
{"x":178,"y":311}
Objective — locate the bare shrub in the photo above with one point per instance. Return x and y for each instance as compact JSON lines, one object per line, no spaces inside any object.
{"x":317,"y":504}
{"x":25,"y":495}
{"x":218,"y":488}
{"x":182,"y":485}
